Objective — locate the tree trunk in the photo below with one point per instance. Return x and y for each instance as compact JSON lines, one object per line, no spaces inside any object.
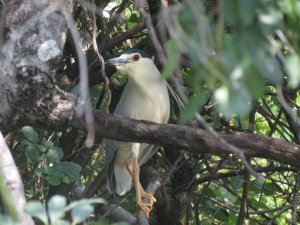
{"x":35,"y":36}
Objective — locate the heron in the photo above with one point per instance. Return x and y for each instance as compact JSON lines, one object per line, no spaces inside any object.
{"x":145,"y":97}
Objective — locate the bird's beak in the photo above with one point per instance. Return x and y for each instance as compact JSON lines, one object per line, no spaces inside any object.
{"x":117,"y":61}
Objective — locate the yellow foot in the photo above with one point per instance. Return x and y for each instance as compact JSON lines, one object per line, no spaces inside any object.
{"x":150,"y":198}
{"x":146,"y":207}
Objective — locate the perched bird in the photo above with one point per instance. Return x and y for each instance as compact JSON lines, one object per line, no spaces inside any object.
{"x":145,"y":97}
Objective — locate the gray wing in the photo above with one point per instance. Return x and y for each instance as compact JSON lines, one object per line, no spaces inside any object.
{"x":111,"y":150}
{"x":146,"y":153}
{"x":110,"y":153}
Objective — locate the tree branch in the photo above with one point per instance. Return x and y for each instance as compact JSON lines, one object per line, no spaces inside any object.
{"x":153,"y":183}
{"x":116,"y":213}
{"x":190,"y":138}
{"x":13,"y":182}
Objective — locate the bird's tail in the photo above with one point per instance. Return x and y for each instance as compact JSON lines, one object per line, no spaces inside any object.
{"x":118,"y":179}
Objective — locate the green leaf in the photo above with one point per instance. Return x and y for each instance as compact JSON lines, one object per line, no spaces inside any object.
{"x":270,"y":68}
{"x":292,"y":65}
{"x":56,"y":207}
{"x":69,"y":168}
{"x":41,"y":148}
{"x":55,"y":175}
{"x":54,"y":180}
{"x":187,"y":20}
{"x":247,"y":10}
{"x":236,"y":182}
{"x":231,"y":102}
{"x":230,"y":8}
{"x":48,"y":144}
{"x":55,"y":154}
{"x":85,"y":202}
{"x":232,"y":218}
{"x":39,"y":172}
{"x":30,"y":134}
{"x":6,"y":220}
{"x":254,"y":83}
{"x":61,"y":222}
{"x":36,"y":209}
{"x":210,"y":193}
{"x":223,"y":193}
{"x":81,"y":213}
{"x":26,"y":142}
{"x":192,"y":107}
{"x":270,"y":188}
{"x":32,"y":153}
{"x":173,"y":59}
{"x":221,"y":214}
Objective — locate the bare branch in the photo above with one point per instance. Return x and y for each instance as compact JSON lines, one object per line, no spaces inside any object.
{"x":190,"y":138}
{"x":244,"y":201}
{"x":84,"y":104}
{"x":295,"y":199}
{"x":153,"y":182}
{"x":140,"y":4}
{"x":287,"y":207}
{"x":117,"y":213}
{"x":106,"y":89}
{"x":13,"y":182}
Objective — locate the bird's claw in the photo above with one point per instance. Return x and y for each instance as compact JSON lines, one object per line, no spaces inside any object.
{"x":150,"y":198}
{"x":145,"y":207}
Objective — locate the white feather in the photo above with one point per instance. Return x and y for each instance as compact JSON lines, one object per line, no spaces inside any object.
{"x":145,"y":97}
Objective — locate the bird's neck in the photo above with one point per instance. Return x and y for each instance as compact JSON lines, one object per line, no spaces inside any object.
{"x":145,"y":81}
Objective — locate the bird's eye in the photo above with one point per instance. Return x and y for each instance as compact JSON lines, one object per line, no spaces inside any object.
{"x":136,"y":57}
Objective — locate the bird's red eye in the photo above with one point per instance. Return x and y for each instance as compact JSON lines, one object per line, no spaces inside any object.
{"x":136,"y":57}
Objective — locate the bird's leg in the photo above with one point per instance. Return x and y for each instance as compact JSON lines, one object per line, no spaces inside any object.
{"x":134,"y":169}
{"x":148,"y":196}
{"x":139,"y":191}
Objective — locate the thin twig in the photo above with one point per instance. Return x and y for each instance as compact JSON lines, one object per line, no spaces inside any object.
{"x":260,"y":212}
{"x":295,"y":199}
{"x":172,"y":169}
{"x":287,"y":207}
{"x":151,"y":30}
{"x":221,"y":142}
{"x":244,"y":201}
{"x":84,"y":103}
{"x":89,"y":181}
{"x":286,"y":106}
{"x":113,"y":20}
{"x":100,"y":58}
{"x":91,"y":6}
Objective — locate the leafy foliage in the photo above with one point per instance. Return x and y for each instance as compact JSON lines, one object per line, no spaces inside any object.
{"x":53,"y":170}
{"x":57,"y":208}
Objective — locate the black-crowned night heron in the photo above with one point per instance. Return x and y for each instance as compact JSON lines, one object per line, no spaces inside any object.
{"x":145,"y":97}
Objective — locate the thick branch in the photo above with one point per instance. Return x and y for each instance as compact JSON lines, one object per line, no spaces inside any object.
{"x":116,"y":213}
{"x":13,"y":182}
{"x":153,"y":182}
{"x":29,"y":56}
{"x":189,"y":138}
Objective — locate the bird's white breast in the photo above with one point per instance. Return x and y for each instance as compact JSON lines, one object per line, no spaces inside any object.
{"x":145,"y":102}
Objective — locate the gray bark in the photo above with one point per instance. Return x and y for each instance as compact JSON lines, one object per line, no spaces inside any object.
{"x":33,"y":44}
{"x":13,"y":182}
{"x":191,"y":139}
